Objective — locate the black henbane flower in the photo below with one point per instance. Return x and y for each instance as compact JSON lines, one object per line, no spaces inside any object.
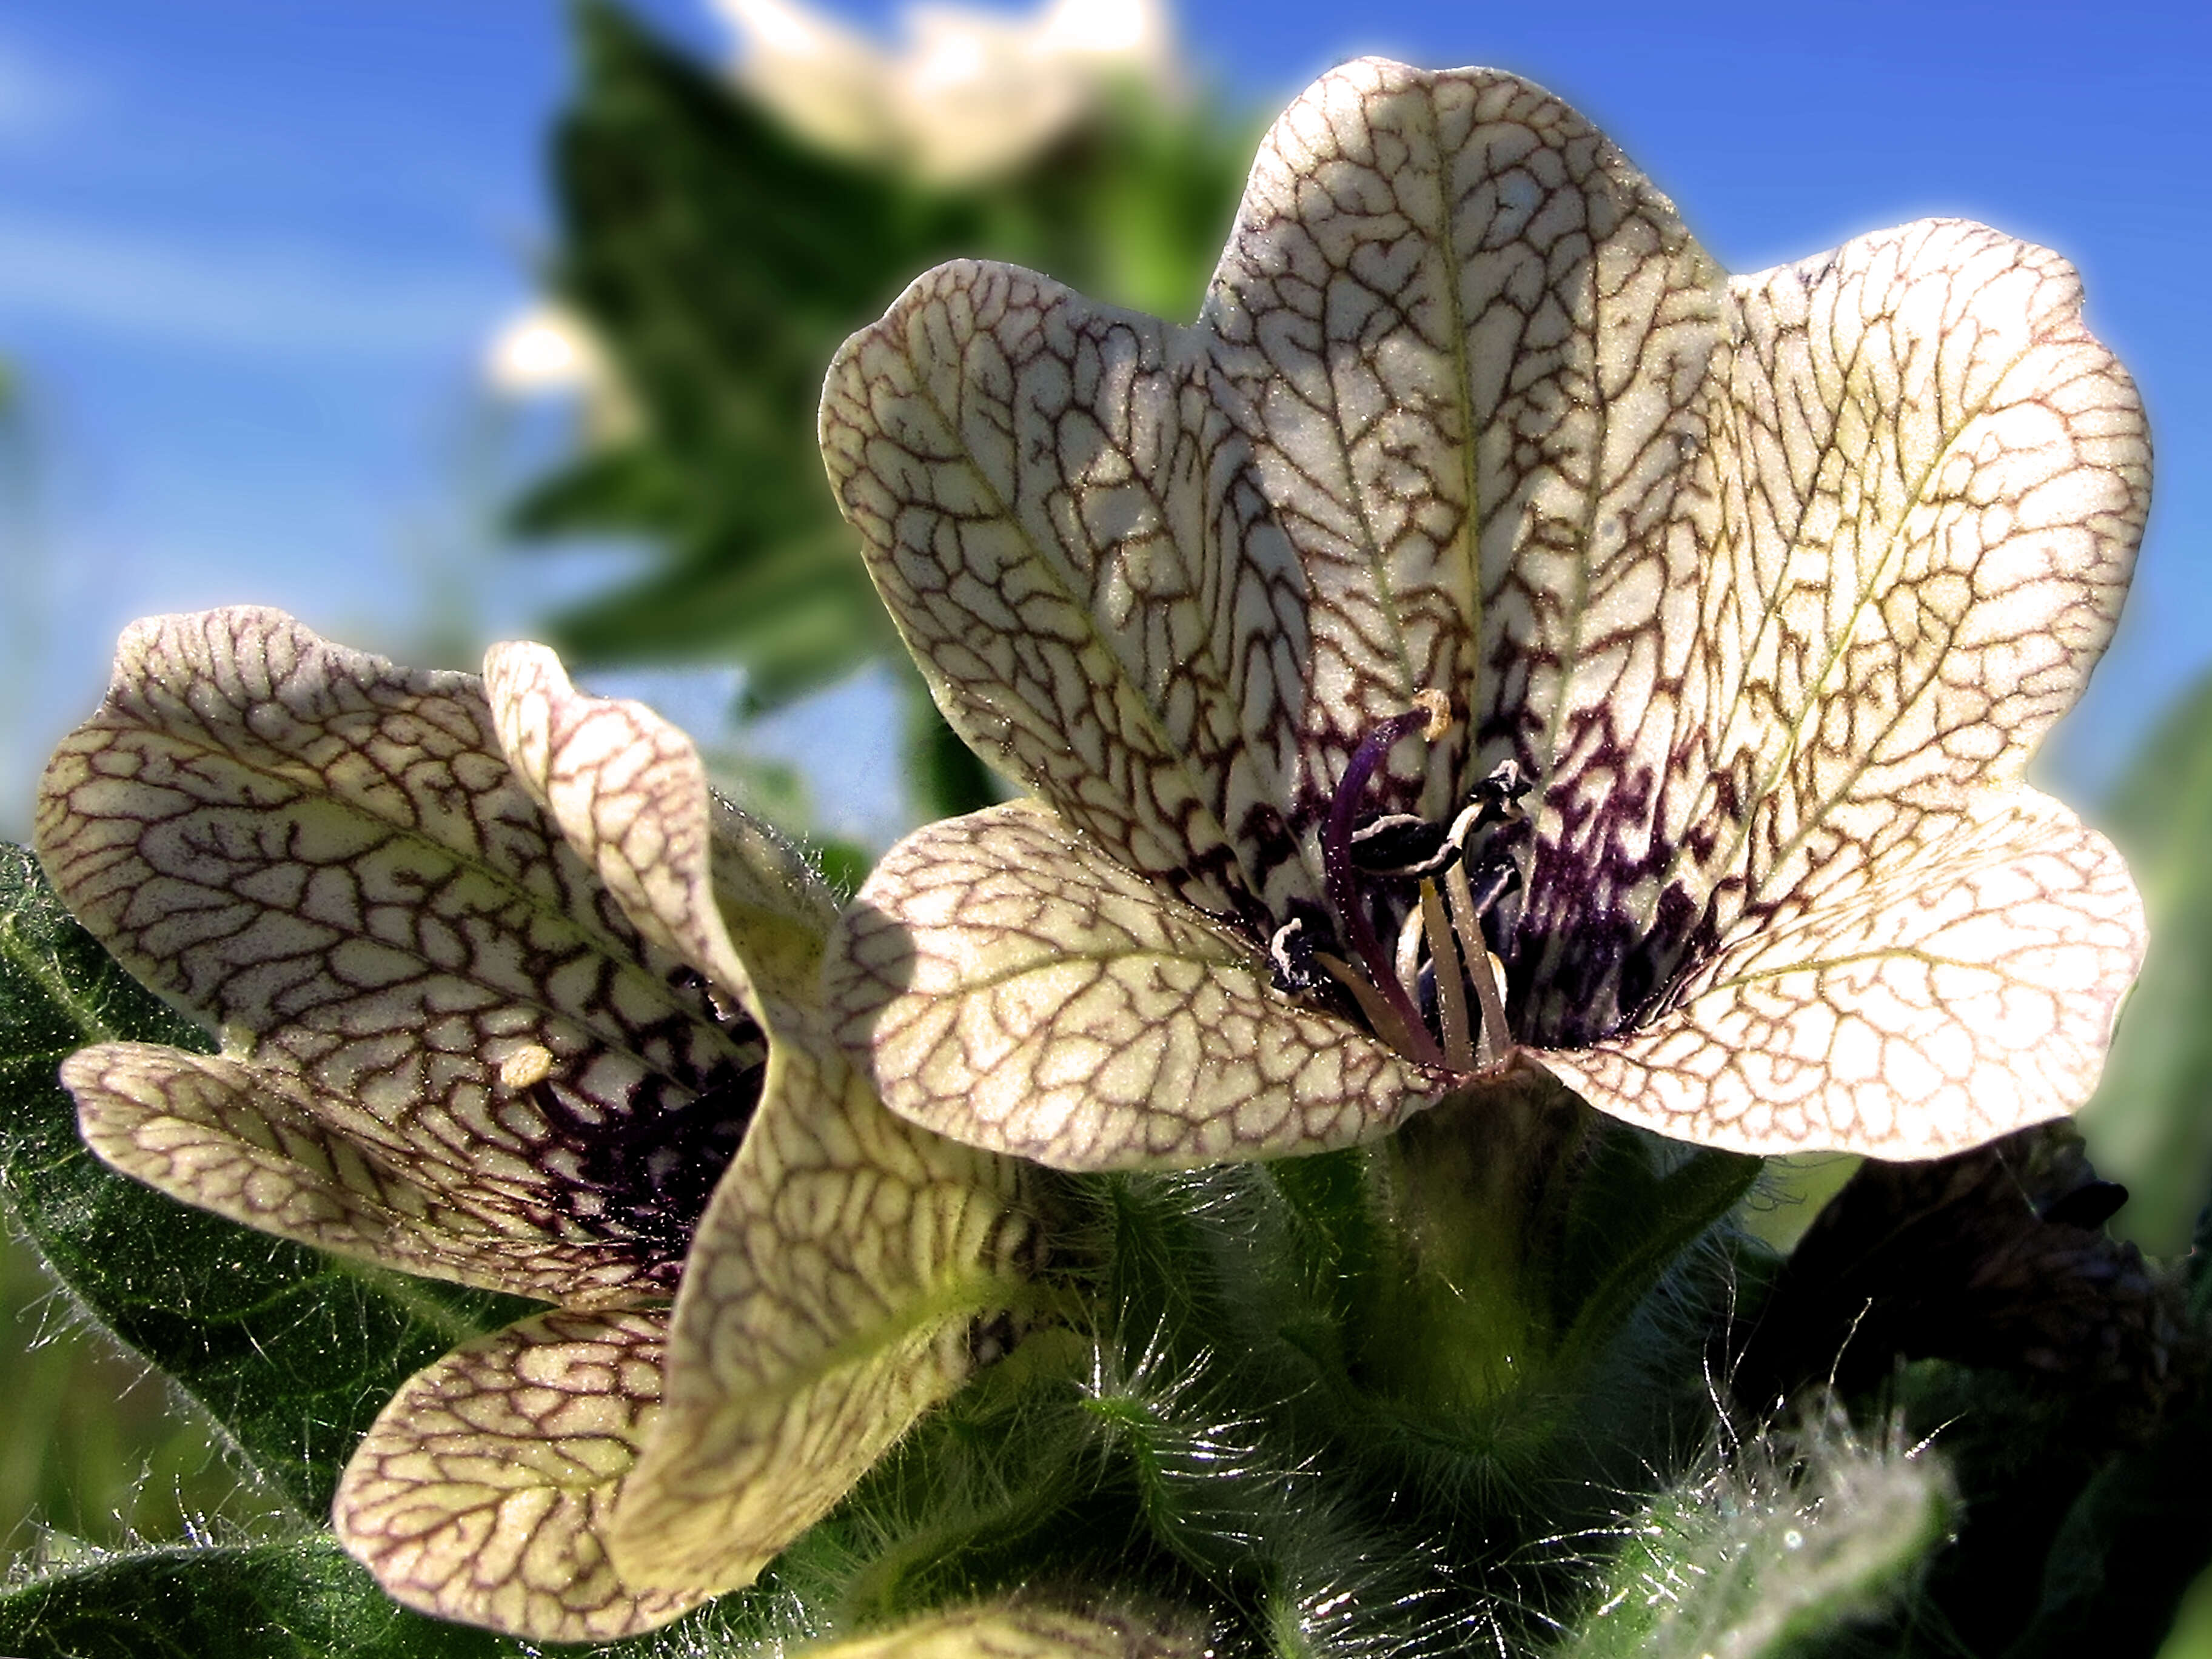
{"x":1493,"y":637}
{"x":506,"y":996}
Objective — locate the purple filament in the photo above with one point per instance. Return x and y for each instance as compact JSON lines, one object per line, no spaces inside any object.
{"x":1342,"y":876}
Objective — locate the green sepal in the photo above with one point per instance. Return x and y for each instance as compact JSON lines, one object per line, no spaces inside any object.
{"x":1784,"y":1542}
{"x":1517,"y":1234}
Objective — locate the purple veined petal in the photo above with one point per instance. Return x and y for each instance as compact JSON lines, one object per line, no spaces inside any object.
{"x":482,"y":1491}
{"x":1950,"y":992}
{"x":1009,"y":985}
{"x":326,"y":859}
{"x":852,"y":1271}
{"x":696,"y":876}
{"x":260,"y":1148}
{"x":1762,"y":582}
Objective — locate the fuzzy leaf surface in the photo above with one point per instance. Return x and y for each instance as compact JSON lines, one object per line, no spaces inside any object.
{"x":297,"y":1600}
{"x":291,"y":1352}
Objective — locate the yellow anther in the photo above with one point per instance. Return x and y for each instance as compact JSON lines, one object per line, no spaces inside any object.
{"x":526,"y":1066}
{"x":1437,"y":708}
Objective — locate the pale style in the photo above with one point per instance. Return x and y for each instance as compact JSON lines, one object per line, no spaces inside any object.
{"x":975,"y":94}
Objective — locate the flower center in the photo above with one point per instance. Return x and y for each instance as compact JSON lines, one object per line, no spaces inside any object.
{"x":1409,"y":896}
{"x":636,"y":1164}
{"x":655,"y":1166}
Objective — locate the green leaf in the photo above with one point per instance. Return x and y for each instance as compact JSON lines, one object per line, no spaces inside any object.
{"x":2128,"y":1548}
{"x":722,"y":263}
{"x":292,"y":1352}
{"x":275,"y":1601}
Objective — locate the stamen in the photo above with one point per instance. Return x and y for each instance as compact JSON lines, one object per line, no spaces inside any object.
{"x":1291,"y":952}
{"x":1339,"y":873}
{"x":1409,"y":956}
{"x":1451,"y":988}
{"x":1500,"y":791}
{"x":1389,"y":1024}
{"x":1490,"y":883}
{"x":1495,"y":1037}
{"x":1403,"y":847}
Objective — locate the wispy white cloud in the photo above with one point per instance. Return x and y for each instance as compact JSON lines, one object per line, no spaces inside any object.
{"x":38,"y":97}
{"x":270,"y":295}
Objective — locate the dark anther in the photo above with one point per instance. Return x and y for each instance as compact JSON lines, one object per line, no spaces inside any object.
{"x":1499,"y":793}
{"x":726,"y":1012}
{"x":1402,"y":846}
{"x":1292,"y":954}
{"x":990,"y":1339}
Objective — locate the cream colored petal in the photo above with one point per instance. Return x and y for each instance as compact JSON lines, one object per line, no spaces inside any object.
{"x":1933,"y":479}
{"x":1947,"y":992}
{"x":1009,"y":986}
{"x":1072,"y":541}
{"x":975,"y":98}
{"x":546,"y":349}
{"x":847,"y":1277}
{"x":695,"y":875}
{"x":1022,"y":1630}
{"x":829,"y":84}
{"x":482,"y":1491}
{"x":325,"y":858}
{"x":1754,"y":580}
{"x":1929,"y":434}
{"x":1429,"y":435}
{"x":1471,"y":339}
{"x":1479,"y":349}
{"x":255,"y":1146}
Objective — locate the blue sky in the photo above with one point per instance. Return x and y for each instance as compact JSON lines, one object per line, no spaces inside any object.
{"x":250,"y":250}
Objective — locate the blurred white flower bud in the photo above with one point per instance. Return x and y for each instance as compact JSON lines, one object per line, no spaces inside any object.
{"x":974,"y":95}
{"x":547,"y":351}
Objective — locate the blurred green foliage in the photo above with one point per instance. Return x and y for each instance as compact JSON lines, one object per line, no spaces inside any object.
{"x":720,"y":262}
{"x":91,"y":1449}
{"x":2150,"y":1122}
{"x":2191,"y":1636}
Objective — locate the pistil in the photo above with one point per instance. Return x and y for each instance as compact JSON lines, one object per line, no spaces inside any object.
{"x":1431,"y":716}
{"x":1386,"y":979}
